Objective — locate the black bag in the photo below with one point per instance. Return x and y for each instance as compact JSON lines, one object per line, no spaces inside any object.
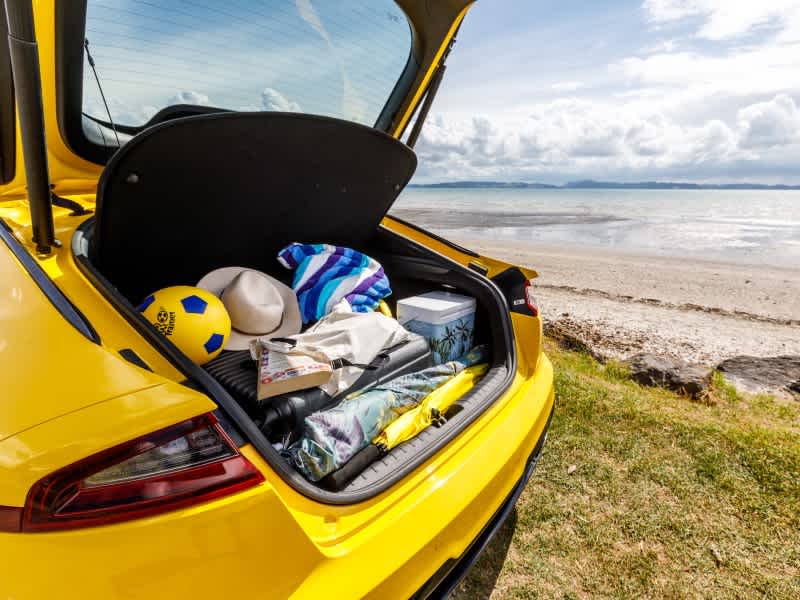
{"x":284,"y":414}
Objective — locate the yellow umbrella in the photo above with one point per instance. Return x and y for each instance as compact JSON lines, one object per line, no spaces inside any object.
{"x":384,"y":308}
{"x":430,"y":410}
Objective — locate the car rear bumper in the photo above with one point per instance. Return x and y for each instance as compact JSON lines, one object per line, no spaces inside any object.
{"x":447,"y":578}
{"x":421,"y":537}
{"x":464,"y":514}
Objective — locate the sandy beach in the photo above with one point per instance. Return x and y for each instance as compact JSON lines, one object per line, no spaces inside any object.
{"x":700,"y":311}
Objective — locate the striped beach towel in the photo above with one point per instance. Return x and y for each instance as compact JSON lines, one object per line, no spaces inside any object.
{"x":324,"y":274}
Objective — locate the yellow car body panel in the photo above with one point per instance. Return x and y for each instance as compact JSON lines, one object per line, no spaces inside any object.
{"x":69,"y":398}
{"x":404,"y":119}
{"x":31,"y":454}
{"x":43,"y":359}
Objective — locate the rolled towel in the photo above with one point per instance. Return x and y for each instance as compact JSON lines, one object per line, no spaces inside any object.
{"x":324,"y":274}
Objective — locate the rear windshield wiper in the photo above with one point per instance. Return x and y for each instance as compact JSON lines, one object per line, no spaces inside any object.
{"x":176,"y":111}
{"x":127,"y":129}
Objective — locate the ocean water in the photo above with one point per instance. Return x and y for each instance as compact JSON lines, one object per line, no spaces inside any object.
{"x":747,"y":226}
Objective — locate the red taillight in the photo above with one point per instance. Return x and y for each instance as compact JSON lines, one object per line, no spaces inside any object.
{"x":533,"y":305}
{"x":191,"y":462}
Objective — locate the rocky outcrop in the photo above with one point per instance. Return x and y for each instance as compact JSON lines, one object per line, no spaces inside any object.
{"x":673,"y":374}
{"x":565,"y":337}
{"x":779,"y":375}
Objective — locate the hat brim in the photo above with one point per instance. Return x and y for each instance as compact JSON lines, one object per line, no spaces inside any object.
{"x":217,"y":280}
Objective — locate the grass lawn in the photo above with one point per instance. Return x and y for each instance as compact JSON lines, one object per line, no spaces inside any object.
{"x":642,"y":493}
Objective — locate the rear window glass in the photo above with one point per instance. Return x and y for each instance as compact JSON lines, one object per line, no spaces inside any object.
{"x":340,"y":59}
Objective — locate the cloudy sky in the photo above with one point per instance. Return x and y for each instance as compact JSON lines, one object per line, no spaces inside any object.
{"x":536,"y":90}
{"x":555,"y":90}
{"x":337,"y":58}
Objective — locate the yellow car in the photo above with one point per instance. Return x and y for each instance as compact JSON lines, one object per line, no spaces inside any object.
{"x":143,"y":144}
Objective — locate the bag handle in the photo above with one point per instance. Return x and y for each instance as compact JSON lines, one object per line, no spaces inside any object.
{"x":340,"y":363}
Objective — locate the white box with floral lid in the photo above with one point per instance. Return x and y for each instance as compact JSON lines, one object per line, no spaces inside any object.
{"x":445,"y":319}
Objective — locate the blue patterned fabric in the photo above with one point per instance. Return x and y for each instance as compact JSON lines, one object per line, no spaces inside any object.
{"x":332,"y":437}
{"x":325,"y":274}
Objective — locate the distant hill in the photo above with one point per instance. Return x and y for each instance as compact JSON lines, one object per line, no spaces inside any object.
{"x":484,"y":184}
{"x":668,"y":185}
{"x":606,"y":185}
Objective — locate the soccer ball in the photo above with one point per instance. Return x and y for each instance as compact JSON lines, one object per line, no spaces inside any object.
{"x":193,"y":319}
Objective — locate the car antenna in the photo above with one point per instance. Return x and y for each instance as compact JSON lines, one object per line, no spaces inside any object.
{"x":100,"y":87}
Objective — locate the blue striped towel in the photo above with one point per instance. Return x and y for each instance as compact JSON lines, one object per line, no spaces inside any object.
{"x":324,"y":274}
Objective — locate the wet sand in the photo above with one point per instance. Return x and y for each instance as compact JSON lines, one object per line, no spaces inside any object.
{"x":621,"y":304}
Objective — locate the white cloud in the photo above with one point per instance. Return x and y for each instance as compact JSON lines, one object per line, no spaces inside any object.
{"x":272,"y":99}
{"x":581,"y":138}
{"x":669,"y":45}
{"x":123,"y":113}
{"x":725,"y":19}
{"x":765,"y":69}
{"x":648,"y":137}
{"x":308,"y":13}
{"x":566,"y":86}
{"x":354,"y":107}
{"x":772,"y":123}
{"x":671,"y":10}
{"x":714,"y":141}
{"x":189,"y":97}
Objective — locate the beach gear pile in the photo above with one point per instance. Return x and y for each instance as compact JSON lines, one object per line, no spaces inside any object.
{"x":332,"y":437}
{"x":323,"y":362}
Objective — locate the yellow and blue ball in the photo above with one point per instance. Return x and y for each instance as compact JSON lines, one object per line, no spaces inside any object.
{"x":194,"y":320}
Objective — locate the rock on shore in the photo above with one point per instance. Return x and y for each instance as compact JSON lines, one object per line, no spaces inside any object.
{"x":778,"y":375}
{"x":676,"y":375}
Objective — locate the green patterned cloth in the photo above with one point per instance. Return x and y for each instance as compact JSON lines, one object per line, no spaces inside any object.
{"x":332,"y":437}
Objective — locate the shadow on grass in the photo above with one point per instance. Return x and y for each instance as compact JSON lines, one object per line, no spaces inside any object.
{"x":481,"y":579}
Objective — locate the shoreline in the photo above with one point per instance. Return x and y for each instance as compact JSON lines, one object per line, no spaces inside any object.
{"x":533,"y":225}
{"x":620,"y":304}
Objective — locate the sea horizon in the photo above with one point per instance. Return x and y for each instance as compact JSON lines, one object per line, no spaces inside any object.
{"x":593,"y":184}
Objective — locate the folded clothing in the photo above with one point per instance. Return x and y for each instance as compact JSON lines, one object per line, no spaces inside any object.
{"x":347,"y":341}
{"x":325,"y":274}
{"x":332,"y":437}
